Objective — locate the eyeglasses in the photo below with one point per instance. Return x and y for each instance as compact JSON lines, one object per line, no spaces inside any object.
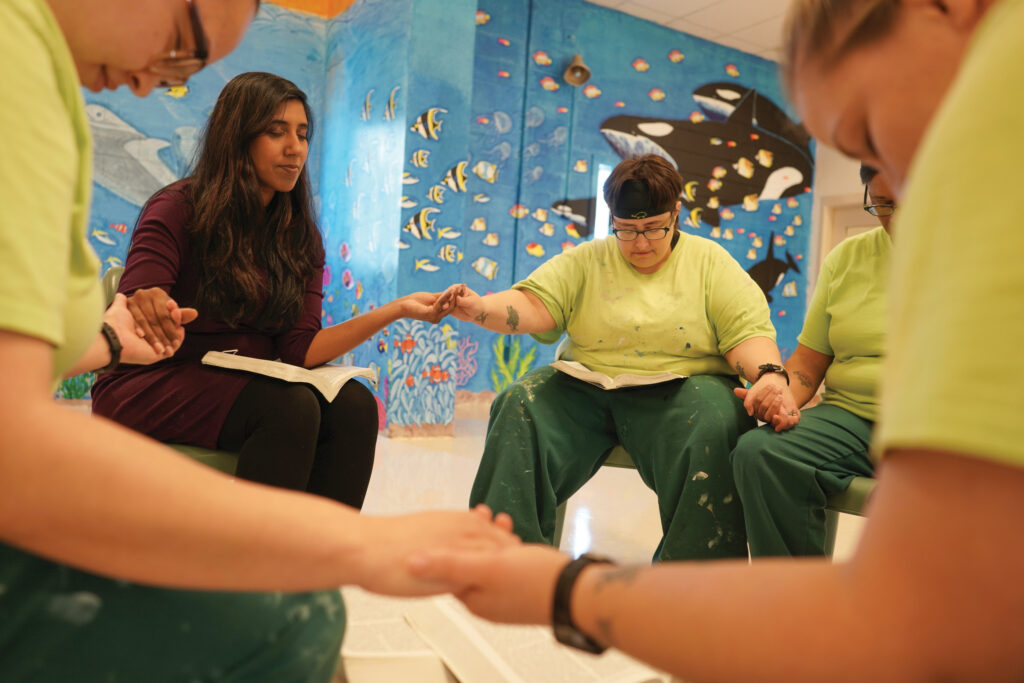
{"x":652,"y":234}
{"x":176,"y":66}
{"x":877,"y":209}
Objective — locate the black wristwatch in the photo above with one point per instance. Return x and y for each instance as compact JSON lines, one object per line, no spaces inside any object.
{"x":765,"y":368}
{"x":566,"y":632}
{"x":115,"y":348}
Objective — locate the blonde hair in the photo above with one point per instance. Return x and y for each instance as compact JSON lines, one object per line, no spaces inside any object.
{"x":826,"y":30}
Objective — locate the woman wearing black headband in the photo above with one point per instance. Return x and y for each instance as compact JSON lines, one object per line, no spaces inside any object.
{"x":649,"y":300}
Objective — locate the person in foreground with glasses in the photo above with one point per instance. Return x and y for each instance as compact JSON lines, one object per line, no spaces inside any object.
{"x":650,"y":299}
{"x":784,"y":478}
{"x":119,"y":558}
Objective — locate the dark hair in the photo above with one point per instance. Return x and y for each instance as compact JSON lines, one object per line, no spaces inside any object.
{"x":663,"y":181}
{"x":250,"y":257}
{"x":827,"y":29}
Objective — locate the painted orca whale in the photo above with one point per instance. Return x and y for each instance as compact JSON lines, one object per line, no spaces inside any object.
{"x":769,"y":272}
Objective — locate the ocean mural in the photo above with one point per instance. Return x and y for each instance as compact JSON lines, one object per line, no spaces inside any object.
{"x":449,"y":149}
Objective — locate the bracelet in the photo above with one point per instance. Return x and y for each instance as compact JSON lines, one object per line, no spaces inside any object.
{"x":115,"y":348}
{"x":766,"y":368}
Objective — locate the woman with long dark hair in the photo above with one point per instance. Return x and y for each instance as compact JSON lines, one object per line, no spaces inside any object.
{"x":238,"y":241}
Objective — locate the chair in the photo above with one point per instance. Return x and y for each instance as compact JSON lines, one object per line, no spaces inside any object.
{"x":851,"y":501}
{"x":225,"y":461}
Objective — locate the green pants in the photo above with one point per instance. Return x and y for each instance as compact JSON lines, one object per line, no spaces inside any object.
{"x":785,"y":478}
{"x":549,"y":433}
{"x":58,"y":624}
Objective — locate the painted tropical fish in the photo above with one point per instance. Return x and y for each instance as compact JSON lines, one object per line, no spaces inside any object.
{"x":490,"y":239}
{"x":367,"y":105}
{"x":389,"y":110}
{"x":481,"y":198}
{"x":425,"y":264}
{"x":428,"y":125}
{"x":455,"y":178}
{"x":436,"y":194}
{"x":486,"y":170}
{"x":177,"y":92}
{"x":535,"y":249}
{"x":102,"y":237}
{"x":420,"y":224}
{"x":486,"y":267}
{"x":479,"y":224}
{"x":450,"y":253}
{"x":420,"y":158}
{"x":448,"y":233}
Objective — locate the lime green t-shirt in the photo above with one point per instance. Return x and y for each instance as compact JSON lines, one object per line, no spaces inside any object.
{"x":846,"y":320}
{"x":953,"y":373}
{"x":679,"y":319}
{"x":49,"y":286}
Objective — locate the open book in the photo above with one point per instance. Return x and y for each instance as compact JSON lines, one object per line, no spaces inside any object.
{"x":327,"y":379}
{"x":580,"y":371}
{"x":477,"y":651}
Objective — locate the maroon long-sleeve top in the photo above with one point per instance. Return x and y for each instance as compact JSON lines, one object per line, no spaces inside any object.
{"x":179,"y":400}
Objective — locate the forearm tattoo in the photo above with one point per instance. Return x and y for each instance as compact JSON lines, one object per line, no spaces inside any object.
{"x":740,"y":371}
{"x":482,"y":318}
{"x":804,"y":379}
{"x":513,"y":318}
{"x":625,"y":576}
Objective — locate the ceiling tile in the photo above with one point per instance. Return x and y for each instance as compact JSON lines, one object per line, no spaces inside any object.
{"x":766,"y":34}
{"x":694,"y":29}
{"x":648,"y":13}
{"x":676,"y":8}
{"x":608,"y":3}
{"x":732,"y":15}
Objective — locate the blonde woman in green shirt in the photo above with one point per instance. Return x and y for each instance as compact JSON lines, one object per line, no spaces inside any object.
{"x":784,"y":477}
{"x":646,"y":300}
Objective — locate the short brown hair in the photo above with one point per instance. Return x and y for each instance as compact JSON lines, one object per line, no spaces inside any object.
{"x":663,"y":181}
{"x":812,"y":26}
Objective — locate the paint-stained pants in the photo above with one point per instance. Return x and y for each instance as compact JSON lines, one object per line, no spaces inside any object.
{"x":59,"y":624}
{"x":785,"y":478}
{"x":549,"y":433}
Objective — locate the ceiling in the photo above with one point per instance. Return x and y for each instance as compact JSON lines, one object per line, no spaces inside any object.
{"x":753,"y":26}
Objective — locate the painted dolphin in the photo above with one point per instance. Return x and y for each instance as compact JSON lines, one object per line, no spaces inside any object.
{"x":769,"y":272}
{"x":126,"y":162}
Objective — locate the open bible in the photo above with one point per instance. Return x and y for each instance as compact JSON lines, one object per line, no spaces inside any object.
{"x":327,"y":379}
{"x":580,"y":371}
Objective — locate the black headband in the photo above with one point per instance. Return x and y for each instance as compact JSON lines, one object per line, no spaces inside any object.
{"x":634,"y":201}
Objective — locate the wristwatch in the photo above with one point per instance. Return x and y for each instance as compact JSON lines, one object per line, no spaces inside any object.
{"x":566,"y":631}
{"x":765,"y":368}
{"x":115,"y":348}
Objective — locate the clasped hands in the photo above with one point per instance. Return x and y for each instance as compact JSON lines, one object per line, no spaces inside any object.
{"x":149,"y":325}
{"x":770,"y":400}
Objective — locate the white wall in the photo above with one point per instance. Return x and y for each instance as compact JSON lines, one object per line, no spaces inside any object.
{"x":836,"y":181}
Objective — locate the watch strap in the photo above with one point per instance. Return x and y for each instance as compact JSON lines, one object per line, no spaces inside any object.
{"x":766,"y":368}
{"x":566,"y":632}
{"x":115,"y":347}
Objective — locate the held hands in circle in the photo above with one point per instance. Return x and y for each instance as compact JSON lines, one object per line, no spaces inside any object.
{"x":149,"y":325}
{"x":770,"y":400}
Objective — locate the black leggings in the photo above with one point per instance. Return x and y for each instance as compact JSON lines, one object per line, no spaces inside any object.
{"x":287,"y":435}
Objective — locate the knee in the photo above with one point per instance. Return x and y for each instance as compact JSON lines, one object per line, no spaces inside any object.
{"x":353,"y":408}
{"x":297,"y":409}
{"x":750,"y":454}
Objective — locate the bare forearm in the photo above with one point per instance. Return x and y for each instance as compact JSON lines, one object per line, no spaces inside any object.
{"x":334,"y":341}
{"x":806,"y":370}
{"x":746,"y":356}
{"x":101,"y":498}
{"x":513,"y":312}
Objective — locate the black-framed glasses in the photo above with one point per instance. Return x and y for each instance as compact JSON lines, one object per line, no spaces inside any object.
{"x":176,"y":66}
{"x":877,"y":209}
{"x":652,"y":234}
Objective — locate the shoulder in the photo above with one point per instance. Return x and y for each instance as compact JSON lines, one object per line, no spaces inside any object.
{"x":859,"y":247}
{"x":695,"y":248}
{"x":172,"y":204}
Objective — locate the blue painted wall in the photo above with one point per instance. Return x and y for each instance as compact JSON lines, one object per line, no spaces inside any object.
{"x":446,"y":135}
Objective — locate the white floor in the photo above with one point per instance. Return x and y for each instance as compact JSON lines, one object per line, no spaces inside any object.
{"x":614,"y":514}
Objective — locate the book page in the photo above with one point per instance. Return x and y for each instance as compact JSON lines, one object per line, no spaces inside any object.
{"x":582,"y":372}
{"x":327,"y":379}
{"x":380,"y":645}
{"x":477,"y":651}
